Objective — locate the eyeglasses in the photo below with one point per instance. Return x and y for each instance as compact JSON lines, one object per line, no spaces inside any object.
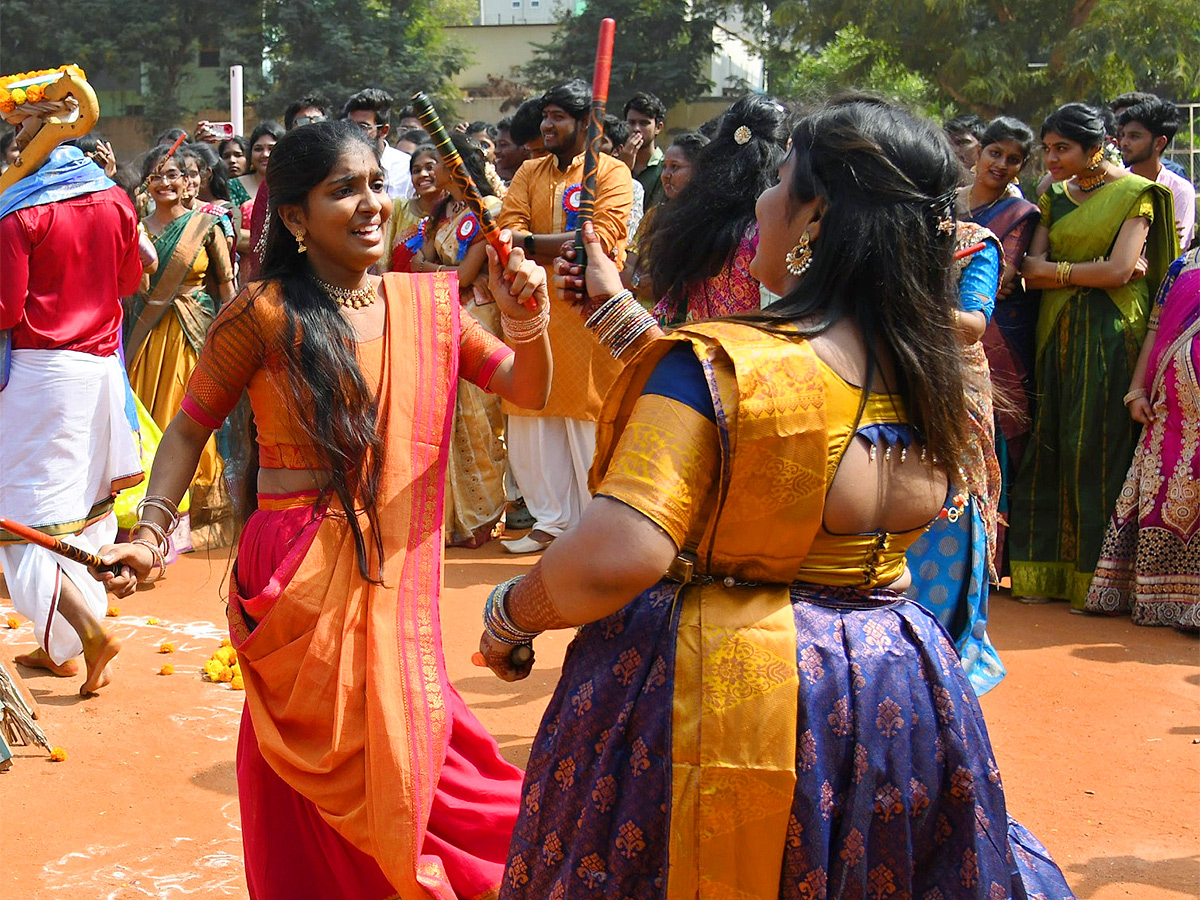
{"x":307,"y":120}
{"x":367,"y":127}
{"x":165,"y":176}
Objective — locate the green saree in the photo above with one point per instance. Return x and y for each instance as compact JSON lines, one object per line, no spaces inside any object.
{"x":1083,"y":439}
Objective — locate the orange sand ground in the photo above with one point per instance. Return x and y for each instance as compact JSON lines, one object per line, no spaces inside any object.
{"x":1095,"y":729}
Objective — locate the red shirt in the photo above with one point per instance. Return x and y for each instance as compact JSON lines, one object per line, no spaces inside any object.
{"x":64,"y":268}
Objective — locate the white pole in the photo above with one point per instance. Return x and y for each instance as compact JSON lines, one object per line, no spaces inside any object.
{"x":236,"y":99}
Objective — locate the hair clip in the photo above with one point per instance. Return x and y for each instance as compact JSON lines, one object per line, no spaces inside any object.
{"x":742,"y":135}
{"x":945,"y":224}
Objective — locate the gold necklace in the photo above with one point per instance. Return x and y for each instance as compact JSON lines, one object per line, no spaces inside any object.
{"x":353,"y":298}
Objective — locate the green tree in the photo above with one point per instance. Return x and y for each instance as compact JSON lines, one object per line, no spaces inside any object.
{"x":989,"y":56}
{"x":662,"y":46}
{"x":338,"y":47}
{"x":332,"y":46}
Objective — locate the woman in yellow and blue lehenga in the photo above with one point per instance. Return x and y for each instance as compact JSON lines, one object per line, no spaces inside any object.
{"x":750,"y":708}
{"x":953,"y":563}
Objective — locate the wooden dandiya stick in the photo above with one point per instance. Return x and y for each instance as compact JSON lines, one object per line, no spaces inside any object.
{"x":968,"y":251}
{"x":54,"y":545}
{"x":601,"y":75}
{"x":458,"y":172}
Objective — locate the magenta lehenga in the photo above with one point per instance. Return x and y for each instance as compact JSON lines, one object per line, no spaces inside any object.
{"x":1150,"y":560}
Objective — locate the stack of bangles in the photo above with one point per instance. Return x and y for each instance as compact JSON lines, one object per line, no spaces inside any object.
{"x":522,"y":331}
{"x":1062,"y":272}
{"x":162,"y":542}
{"x":619,"y":322}
{"x":496,"y":621}
{"x":1135,"y":394}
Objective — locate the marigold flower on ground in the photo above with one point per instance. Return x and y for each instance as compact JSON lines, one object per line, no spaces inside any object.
{"x":58,"y":754}
{"x":226,"y":642}
{"x":237,"y":684}
{"x":166,"y":647}
{"x":13,"y":622}
{"x":226,"y":675}
{"x":152,"y":621}
{"x":113,"y":612}
{"x":167,"y":669}
{"x":212,"y":669}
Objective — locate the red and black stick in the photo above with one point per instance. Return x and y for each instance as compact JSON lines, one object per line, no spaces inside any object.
{"x":601,"y":75}
{"x":33,"y":536}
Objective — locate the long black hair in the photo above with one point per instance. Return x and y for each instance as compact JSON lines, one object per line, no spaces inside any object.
{"x":882,"y":257}
{"x":319,"y":344}
{"x":698,"y":232}
{"x":471,"y":152}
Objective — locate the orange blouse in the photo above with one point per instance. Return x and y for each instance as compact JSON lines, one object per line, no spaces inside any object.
{"x":244,"y":351}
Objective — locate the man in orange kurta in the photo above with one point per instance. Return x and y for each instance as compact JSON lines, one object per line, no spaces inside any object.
{"x":551,"y":450}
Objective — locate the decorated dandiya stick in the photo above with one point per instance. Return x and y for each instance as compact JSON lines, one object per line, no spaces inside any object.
{"x":458,"y":172}
{"x":33,"y":536}
{"x":969,"y":251}
{"x":601,"y":75}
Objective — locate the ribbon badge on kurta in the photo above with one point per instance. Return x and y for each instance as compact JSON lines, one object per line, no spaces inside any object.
{"x":571,"y":198}
{"x":466,"y":231}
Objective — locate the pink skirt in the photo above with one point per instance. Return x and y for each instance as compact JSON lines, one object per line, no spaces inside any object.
{"x":291,"y":853}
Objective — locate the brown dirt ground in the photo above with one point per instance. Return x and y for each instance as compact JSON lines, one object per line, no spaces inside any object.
{"x":1095,"y":729}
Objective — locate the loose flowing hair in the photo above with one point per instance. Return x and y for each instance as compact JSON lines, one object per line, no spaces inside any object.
{"x":319,"y":346}
{"x":883,"y":256}
{"x":698,"y":232}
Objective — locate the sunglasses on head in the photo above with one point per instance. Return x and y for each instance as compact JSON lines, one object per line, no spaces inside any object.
{"x":307,"y":120}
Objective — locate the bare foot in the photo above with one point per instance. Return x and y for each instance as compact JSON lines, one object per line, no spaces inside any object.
{"x":97,"y":658}
{"x":40,"y":659}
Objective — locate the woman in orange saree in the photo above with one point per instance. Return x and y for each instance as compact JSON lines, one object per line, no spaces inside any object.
{"x":361,"y":773}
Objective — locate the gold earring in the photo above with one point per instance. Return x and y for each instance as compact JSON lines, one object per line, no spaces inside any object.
{"x":300,"y":248}
{"x":799,"y":258}
{"x":1095,"y":160}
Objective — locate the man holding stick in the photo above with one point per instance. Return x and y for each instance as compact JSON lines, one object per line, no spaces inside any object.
{"x":68,"y":253}
{"x":551,"y":451}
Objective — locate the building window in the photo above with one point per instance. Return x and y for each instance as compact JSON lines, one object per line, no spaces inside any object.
{"x":210,"y":57}
{"x":535,"y":3}
{"x":516,"y":4}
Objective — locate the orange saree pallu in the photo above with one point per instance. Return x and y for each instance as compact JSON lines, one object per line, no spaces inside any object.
{"x":361,"y":772}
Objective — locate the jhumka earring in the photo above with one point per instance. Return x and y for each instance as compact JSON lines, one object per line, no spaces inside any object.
{"x":1093,"y":177}
{"x":1095,"y":159}
{"x":300,"y":242}
{"x":799,"y":258}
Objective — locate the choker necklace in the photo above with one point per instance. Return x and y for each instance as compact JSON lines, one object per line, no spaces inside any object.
{"x":1090,"y":182}
{"x":353,"y":298}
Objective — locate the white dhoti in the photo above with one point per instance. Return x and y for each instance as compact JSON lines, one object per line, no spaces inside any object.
{"x":550,"y":458}
{"x":66,"y":448}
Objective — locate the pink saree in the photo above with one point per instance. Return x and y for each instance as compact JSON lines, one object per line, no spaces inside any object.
{"x":361,"y":772}
{"x":1150,"y":561}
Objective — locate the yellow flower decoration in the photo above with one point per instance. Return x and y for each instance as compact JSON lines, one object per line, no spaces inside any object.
{"x":34,"y":93}
{"x":226,"y":675}
{"x":237,"y":684}
{"x":212,"y":669}
{"x":166,"y":647}
{"x":5,"y":96}
{"x":167,"y":669}
{"x":152,"y":621}
{"x":13,"y":622}
{"x":226,"y":642}
{"x":58,"y":754}
{"x":113,"y":612}
{"x":18,"y":95}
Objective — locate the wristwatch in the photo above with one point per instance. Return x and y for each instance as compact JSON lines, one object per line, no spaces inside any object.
{"x":527,"y":243}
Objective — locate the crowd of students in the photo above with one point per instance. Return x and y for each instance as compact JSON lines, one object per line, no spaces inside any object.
{"x":823,"y":383}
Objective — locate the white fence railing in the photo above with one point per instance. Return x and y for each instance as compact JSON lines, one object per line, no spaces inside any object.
{"x":1185,"y":149}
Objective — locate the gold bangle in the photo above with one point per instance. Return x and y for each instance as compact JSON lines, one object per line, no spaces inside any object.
{"x":1135,"y":394}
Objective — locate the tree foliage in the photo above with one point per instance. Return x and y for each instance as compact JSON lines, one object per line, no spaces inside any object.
{"x":990,"y":56}
{"x":662,"y":46}
{"x":333,"y":46}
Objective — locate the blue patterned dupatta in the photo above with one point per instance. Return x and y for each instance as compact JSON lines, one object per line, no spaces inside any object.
{"x":734,"y":737}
